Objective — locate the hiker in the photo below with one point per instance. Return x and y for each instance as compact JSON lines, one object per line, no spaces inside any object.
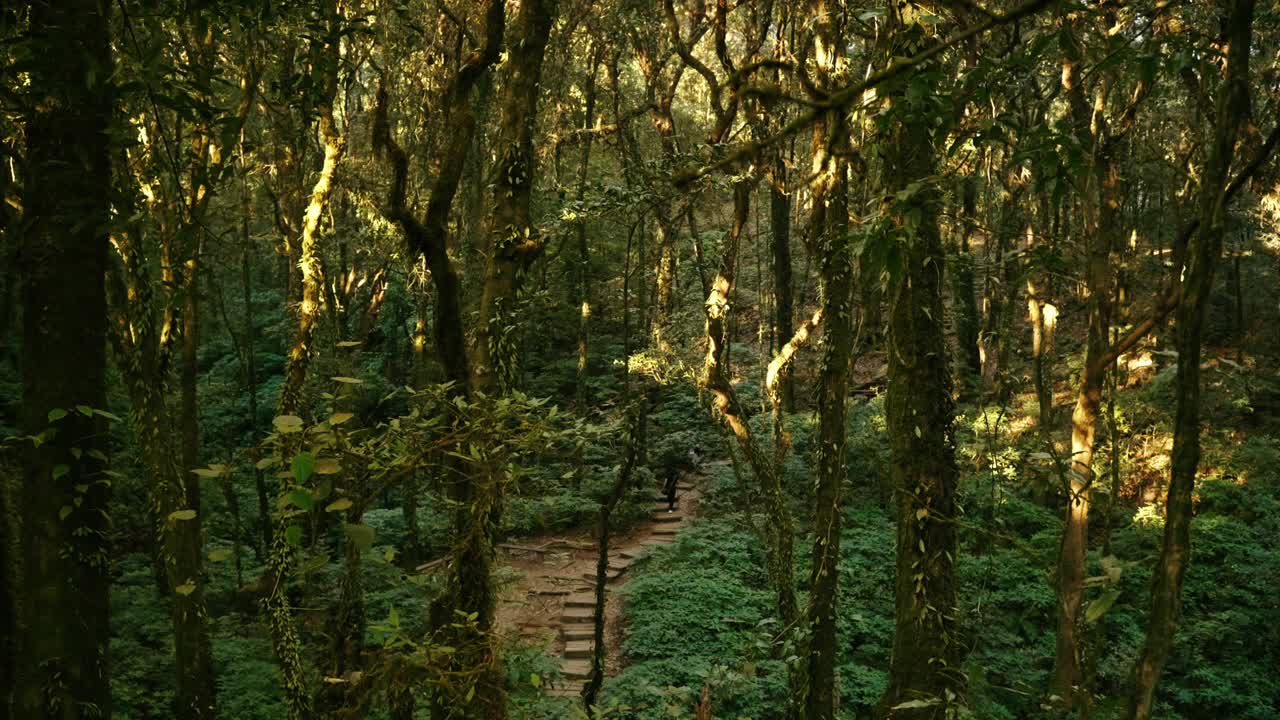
{"x":695,"y":458}
{"x":669,"y":488}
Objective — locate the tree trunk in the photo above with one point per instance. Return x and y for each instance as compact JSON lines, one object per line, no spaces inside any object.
{"x":780,"y":245}
{"x":1099,"y":225}
{"x":299,"y":359}
{"x":62,"y":660}
{"x":582,"y":274}
{"x":1202,"y":254}
{"x":919,"y":413}
{"x":829,"y":234}
{"x":251,"y":377}
{"x":513,"y":246}
{"x":962,"y":289}
{"x":282,"y":625}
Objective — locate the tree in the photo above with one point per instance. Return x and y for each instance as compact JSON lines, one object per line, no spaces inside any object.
{"x":1203,"y":252}
{"x":64,"y":631}
{"x":924,"y":676}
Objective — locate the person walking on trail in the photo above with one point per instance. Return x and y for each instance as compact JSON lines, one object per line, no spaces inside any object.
{"x":669,"y":488}
{"x":695,"y":458}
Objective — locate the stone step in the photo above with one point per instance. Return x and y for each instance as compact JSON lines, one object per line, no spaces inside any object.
{"x":576,"y":669}
{"x":574,"y":690}
{"x":613,"y":575}
{"x":630,"y":554}
{"x":577,"y":614}
{"x":580,"y":600}
{"x":662,"y":516}
{"x":578,"y":649}
{"x":578,"y":631}
{"x":656,"y":541}
{"x":551,"y":591}
{"x":668,"y":529}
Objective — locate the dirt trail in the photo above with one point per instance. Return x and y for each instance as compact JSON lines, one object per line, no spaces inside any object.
{"x":550,"y":596}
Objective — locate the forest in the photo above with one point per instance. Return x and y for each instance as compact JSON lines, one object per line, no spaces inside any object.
{"x":639,"y":359}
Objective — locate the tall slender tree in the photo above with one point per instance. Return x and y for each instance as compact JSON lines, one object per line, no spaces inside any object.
{"x":1203,"y":252}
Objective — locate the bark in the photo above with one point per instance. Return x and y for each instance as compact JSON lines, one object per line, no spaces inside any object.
{"x":829,"y":224}
{"x":963,"y":288}
{"x":62,"y":648}
{"x":428,"y":237}
{"x":780,"y":246}
{"x":250,"y":334}
{"x":919,"y":413}
{"x":828,"y":238}
{"x":514,"y":244}
{"x":583,"y":269}
{"x":335,"y":144}
{"x":1099,"y":225}
{"x":1203,"y":253}
{"x":281,"y":623}
{"x":1041,"y":315}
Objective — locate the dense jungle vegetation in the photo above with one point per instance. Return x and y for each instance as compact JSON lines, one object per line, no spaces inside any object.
{"x":335,"y":333}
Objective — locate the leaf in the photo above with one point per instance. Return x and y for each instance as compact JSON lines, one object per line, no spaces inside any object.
{"x":207,"y":472}
{"x":337,"y":505}
{"x":285,"y":424}
{"x":361,"y":535}
{"x":185,"y":589}
{"x":911,"y":704}
{"x":64,"y":512}
{"x":304,"y":463}
{"x":57,"y":414}
{"x":293,"y":535}
{"x":219,"y":555}
{"x":265,"y":463}
{"x":60,"y":470}
{"x":301,"y":499}
{"x":107,"y":415}
{"x":348,"y":380}
{"x":182,"y":515}
{"x":339,"y":418}
{"x":328,"y":466}
{"x":350,"y":343}
{"x":1099,"y":607}
{"x":85,"y":410}
{"x":535,"y":680}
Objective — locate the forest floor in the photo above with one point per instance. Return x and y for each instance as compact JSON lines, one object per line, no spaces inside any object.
{"x":548,"y":596}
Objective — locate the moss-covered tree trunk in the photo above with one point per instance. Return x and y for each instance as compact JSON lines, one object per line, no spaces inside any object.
{"x":829,"y":230}
{"x":924,"y":677}
{"x":285,"y":635}
{"x":62,"y":660}
{"x":514,"y":243}
{"x":1203,"y":253}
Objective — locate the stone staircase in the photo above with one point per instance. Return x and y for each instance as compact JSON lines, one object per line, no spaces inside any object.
{"x":577,"y":619}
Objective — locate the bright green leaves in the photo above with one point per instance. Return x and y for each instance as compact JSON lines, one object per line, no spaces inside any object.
{"x":213,"y":471}
{"x":286,"y":424}
{"x":303,"y":465}
{"x":178,"y":515}
{"x":1100,"y":606}
{"x":338,"y":505}
{"x":300,"y":499}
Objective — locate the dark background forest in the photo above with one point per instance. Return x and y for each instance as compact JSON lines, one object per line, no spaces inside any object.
{"x":335,"y":333}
